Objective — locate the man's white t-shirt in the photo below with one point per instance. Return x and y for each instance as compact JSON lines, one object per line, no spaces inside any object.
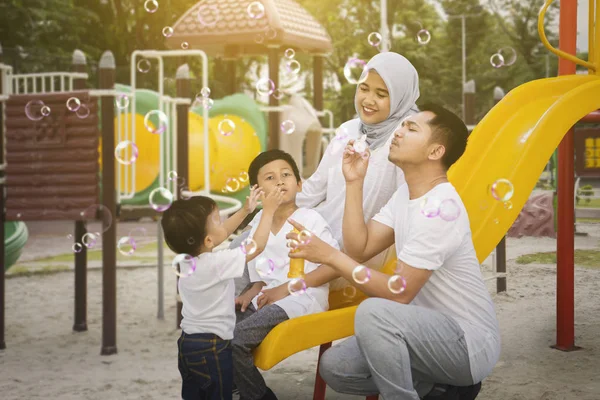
{"x":208,"y":295}
{"x":275,"y":273}
{"x":456,"y":287}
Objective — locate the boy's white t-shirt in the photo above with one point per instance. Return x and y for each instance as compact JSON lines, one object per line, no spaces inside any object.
{"x":208,"y":295}
{"x":315,"y":299}
{"x":456,"y":287}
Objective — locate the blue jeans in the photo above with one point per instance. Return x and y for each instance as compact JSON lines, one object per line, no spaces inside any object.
{"x":206,"y":367}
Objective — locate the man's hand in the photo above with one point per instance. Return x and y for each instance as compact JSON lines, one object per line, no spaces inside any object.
{"x":242,"y":302}
{"x":252,"y":199}
{"x":272,"y":200}
{"x":354,"y":164}
{"x":270,"y":296}
{"x":310,"y":247}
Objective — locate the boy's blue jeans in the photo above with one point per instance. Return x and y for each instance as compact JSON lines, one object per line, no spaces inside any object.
{"x":206,"y":367}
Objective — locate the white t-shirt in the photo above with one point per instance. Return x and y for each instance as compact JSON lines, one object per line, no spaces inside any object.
{"x":208,"y":295}
{"x":456,"y":287}
{"x":315,"y":299}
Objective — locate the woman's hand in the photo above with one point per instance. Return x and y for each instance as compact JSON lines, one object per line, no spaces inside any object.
{"x":354,"y":164}
{"x":310,"y":248}
{"x":270,"y":296}
{"x":252,"y":199}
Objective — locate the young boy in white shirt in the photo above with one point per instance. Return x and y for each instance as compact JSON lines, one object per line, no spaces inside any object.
{"x":193,"y":227}
{"x":274,"y":171}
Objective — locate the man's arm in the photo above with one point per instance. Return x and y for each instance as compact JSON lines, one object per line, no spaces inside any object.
{"x":320,"y":276}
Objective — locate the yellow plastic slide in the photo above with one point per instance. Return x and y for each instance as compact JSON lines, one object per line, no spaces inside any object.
{"x":514,"y":141}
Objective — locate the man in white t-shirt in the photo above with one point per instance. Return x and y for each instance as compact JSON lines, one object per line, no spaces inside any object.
{"x":431,"y":330}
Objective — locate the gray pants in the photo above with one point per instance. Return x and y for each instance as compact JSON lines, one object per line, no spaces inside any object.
{"x":399,"y":351}
{"x":241,"y":283}
{"x":250,"y":330}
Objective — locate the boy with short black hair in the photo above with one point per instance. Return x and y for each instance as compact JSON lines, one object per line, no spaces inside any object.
{"x":193,"y":227}
{"x":275,"y":172}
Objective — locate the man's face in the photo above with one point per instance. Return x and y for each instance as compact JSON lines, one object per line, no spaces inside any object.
{"x":372,"y":99}
{"x":411,"y":144}
{"x":276,"y":174}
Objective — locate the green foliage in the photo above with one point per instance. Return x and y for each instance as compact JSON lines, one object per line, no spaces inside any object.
{"x":586,"y":191}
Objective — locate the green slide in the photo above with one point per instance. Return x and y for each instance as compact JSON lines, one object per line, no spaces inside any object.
{"x":15,"y":237}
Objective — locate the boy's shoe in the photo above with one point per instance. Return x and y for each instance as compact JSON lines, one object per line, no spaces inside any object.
{"x":269,"y":395}
{"x":449,"y":392}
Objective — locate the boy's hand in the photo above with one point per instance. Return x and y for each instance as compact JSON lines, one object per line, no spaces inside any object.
{"x":272,"y":200}
{"x":242,"y":301}
{"x":354,"y":165}
{"x":270,"y":296}
{"x":252,"y":199}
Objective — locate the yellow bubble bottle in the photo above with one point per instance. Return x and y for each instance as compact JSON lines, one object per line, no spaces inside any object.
{"x":296,"y":265}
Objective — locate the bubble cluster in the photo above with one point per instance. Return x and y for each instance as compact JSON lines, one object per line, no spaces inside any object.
{"x":156,"y":122}
{"x":256,"y":10}
{"x":249,"y":246}
{"x":288,"y":127}
{"x":126,"y":245}
{"x":184,"y":265}
{"x":160,"y":199}
{"x":232,"y":185}
{"x":361,"y":274}
{"x":226,"y":127}
{"x":126,"y":152}
{"x":167,"y":31}
{"x":208,"y":15}
{"x":447,"y":209}
{"x":143,"y":65}
{"x":73,"y":104}
{"x":504,"y":57}
{"x":297,"y":286}
{"x":122,"y":101}
{"x":374,"y":39}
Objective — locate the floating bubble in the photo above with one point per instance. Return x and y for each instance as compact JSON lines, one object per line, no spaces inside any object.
{"x":185,"y":45}
{"x":509,"y":55}
{"x":207,"y":103}
{"x":89,"y":240}
{"x":226,"y":127}
{"x":33,"y":110}
{"x":271,"y":33}
{"x":256,"y":10}
{"x":151,"y":6}
{"x":361,"y":274}
{"x":360,"y":146}
{"x":160,"y":199}
{"x":184,"y":265}
{"x":423,"y":36}
{"x":156,"y":122}
{"x":143,"y":65}
{"x":430,"y":206}
{"x":497,"y":60}
{"x":289,"y":53}
{"x":496,"y":221}
{"x":126,"y":152}
{"x":122,"y":101}
{"x":167,"y":31}
{"x":249,"y":246}
{"x":205,"y":92}
{"x":278,"y":94}
{"x":293,"y":66}
{"x":19,"y":215}
{"x":292,"y":244}
{"x":77,"y":247}
{"x":502,"y":190}
{"x":265,"y":87}
{"x":70,"y":237}
{"x":82,"y":112}
{"x":232,"y":185}
{"x":191,"y":241}
{"x":97,"y":212}
{"x":138,"y":234}
{"x":449,"y":210}
{"x":126,"y":245}
{"x":305,"y":236}
{"x":484,"y":204}
{"x":243,"y":177}
{"x":396,"y":284}
{"x":297,"y":286}
{"x":172,"y":176}
{"x":508,"y":205}
{"x":264,"y":266}
{"x":259,"y":38}
{"x":355,"y":71}
{"x":73,"y":104}
{"x":374,"y":39}
{"x":349,"y":291}
{"x":288,"y":127}
{"x":208,"y":15}
{"x":45,"y":110}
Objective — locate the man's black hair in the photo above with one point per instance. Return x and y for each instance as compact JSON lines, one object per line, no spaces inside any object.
{"x":449,"y":130}
{"x":184,"y":224}
{"x":269,"y":156}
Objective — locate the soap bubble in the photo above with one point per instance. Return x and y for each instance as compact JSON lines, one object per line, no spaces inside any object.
{"x":94,"y":213}
{"x":172,"y":176}
{"x":292,"y":244}
{"x":89,"y":240}
{"x":243,"y":178}
{"x":33,"y":110}
{"x":502,"y":190}
{"x":259,"y":38}
{"x":249,"y":246}
{"x":497,"y":60}
{"x":288,"y":127}
{"x":226,"y":127}
{"x":423,"y":36}
{"x":167,"y":31}
{"x":143,"y":65}
{"x":508,"y":205}
{"x":293,"y":66}
{"x":256,"y":10}
{"x":45,"y":111}
{"x":430,"y":206}
{"x":305,"y":236}
{"x":374,"y":39}
{"x":126,"y":152}
{"x":82,"y":112}
{"x":264,"y":266}
{"x":77,"y":247}
{"x":509,"y":56}
{"x":185,"y":45}
{"x":449,"y":210}
{"x":208,"y":15}
{"x":205,"y":92}
{"x":271,"y":33}
{"x":360,"y":146}
{"x":122,"y":101}
{"x":73,"y":104}
{"x":289,"y":53}
{"x":354,"y":70}
{"x":278,"y":94}
{"x":126,"y":245}
{"x":232,"y":185}
{"x":160,"y":199}
{"x":349,"y":291}
{"x":361,"y":274}
{"x":156,"y":122}
{"x":396,"y":284}
{"x":297,"y":287}
{"x":184,"y":265}
{"x":265,"y":87}
{"x":207,"y":103}
{"x":151,"y":6}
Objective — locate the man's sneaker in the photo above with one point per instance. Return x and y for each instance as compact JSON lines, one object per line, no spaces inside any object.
{"x":469,"y":392}
{"x":449,"y":392}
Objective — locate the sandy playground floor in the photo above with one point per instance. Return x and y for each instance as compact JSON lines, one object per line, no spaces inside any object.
{"x":46,"y":360}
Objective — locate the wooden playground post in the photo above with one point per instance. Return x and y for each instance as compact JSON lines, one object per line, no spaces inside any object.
{"x":107,"y":73}
{"x":273,"y":102}
{"x":80,"y":318}
{"x":501,"y":247}
{"x":2,"y":214}
{"x":469,"y":103}
{"x":318,"y":82}
{"x":183,"y":91}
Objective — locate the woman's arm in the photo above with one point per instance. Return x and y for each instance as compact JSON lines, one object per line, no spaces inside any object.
{"x":314,"y":189}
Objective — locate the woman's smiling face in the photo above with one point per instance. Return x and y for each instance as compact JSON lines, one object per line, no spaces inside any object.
{"x":373,"y":99}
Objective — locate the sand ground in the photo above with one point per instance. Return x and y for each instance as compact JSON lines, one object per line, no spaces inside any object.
{"x":46,"y":359}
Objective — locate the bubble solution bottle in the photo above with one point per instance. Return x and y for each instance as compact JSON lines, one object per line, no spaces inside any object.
{"x":296,"y":265}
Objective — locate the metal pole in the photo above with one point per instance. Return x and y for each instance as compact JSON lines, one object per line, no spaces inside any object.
{"x":385,"y":37}
{"x":464,"y":59}
{"x":161,"y":273}
{"x":274,"y":129}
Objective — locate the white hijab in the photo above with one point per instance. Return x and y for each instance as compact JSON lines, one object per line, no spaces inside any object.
{"x":402,"y":83}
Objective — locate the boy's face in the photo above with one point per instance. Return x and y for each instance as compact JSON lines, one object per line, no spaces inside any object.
{"x":276,"y":174}
{"x":215,"y":231}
